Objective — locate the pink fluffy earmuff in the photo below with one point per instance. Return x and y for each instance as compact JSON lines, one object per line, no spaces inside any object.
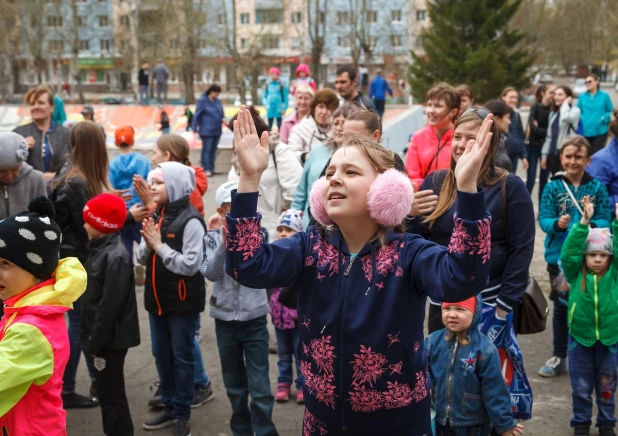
{"x":389,"y":199}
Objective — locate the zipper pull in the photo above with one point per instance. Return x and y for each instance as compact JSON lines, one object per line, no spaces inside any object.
{"x":347,"y":271}
{"x":322,"y":331}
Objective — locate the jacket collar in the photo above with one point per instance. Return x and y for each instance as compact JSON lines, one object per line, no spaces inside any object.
{"x":106,"y":240}
{"x":561,"y":175}
{"x":175,"y":206}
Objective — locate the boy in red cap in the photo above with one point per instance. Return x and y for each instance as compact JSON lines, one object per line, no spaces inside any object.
{"x":109,"y":323}
{"x":464,"y":364}
{"x":122,"y":168}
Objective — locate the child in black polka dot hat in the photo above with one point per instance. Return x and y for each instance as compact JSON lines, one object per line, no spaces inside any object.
{"x":37,"y":288}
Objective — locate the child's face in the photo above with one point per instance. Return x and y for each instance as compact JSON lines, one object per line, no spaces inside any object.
{"x":158,"y":156}
{"x":350,"y":175}
{"x":456,"y":318}
{"x":597,"y":261}
{"x":302,"y":74}
{"x":159,"y":191}
{"x":93,"y":234}
{"x":574,"y":160}
{"x":14,"y":280}
{"x":284,"y":232}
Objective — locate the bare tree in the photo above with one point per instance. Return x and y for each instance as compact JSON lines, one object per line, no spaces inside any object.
{"x":230,"y":44}
{"x":34,"y":33}
{"x":8,"y":22}
{"x":317,"y":11}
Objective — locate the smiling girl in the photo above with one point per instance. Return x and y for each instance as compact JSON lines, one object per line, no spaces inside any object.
{"x":362,"y":282}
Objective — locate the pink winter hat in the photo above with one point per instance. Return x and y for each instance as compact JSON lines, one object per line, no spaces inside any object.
{"x":303,"y":68}
{"x":274,"y":70}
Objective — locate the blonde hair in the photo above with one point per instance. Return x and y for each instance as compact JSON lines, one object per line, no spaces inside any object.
{"x":177,"y":146}
{"x":381,"y":159}
{"x":305,"y":89}
{"x":489,"y":174}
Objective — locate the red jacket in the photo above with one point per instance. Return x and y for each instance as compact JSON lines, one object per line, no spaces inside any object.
{"x":201,"y":185}
{"x":427,"y":153}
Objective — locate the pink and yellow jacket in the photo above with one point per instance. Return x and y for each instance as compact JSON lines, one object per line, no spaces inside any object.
{"x":34,"y":349}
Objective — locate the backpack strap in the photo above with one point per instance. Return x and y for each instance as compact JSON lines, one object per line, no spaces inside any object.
{"x":281,"y":91}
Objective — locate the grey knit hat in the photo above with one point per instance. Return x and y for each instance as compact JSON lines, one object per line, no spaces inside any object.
{"x":13,"y":150}
{"x":599,"y":239}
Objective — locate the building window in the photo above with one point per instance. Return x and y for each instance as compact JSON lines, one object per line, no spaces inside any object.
{"x":418,"y":43}
{"x":124,"y":46}
{"x":297,"y":17}
{"x":203,"y":44}
{"x":343,"y":17}
{"x":270,"y":42}
{"x":81,"y":21}
{"x":396,"y":41}
{"x":105,"y":45}
{"x":84,"y":44}
{"x":372,"y":16}
{"x":343,"y":42}
{"x":396,"y":15}
{"x":103,"y":21}
{"x":245,"y":18}
{"x":55,"y":46}
{"x":124,"y":20}
{"x":54,"y":21}
{"x":221,"y":20}
{"x":421,"y":15}
{"x":174,"y":44}
{"x":268,"y":16}
{"x":295,"y":43}
{"x":322,"y":17}
{"x":244,"y":43}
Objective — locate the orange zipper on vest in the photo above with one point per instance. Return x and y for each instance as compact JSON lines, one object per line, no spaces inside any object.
{"x":154,"y":269}
{"x":182,"y":290}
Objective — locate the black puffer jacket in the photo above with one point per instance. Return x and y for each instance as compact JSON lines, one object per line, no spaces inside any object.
{"x":69,"y":197}
{"x":109,"y":307}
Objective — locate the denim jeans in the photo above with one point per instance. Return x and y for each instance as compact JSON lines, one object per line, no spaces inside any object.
{"x":129,"y":235}
{"x":209,"y":152}
{"x":200,"y":377}
{"x":534,"y":157}
{"x":68,"y":379}
{"x":243,"y":350}
{"x":593,"y":368}
{"x":144,"y":94}
{"x":271,"y":121}
{"x":597,"y":142}
{"x":173,"y":346}
{"x":514,"y":160}
{"x":560,"y":325}
{"x":287,"y":350}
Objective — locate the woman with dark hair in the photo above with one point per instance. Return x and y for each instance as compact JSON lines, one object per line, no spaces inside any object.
{"x":563,"y":122}
{"x":502,"y":117}
{"x":209,"y":116}
{"x":596,"y":107}
{"x":84,"y":177}
{"x":538,"y":122}
{"x":515,"y":136}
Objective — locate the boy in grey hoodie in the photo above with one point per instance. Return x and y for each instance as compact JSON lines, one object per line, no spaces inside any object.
{"x":175,"y":292}
{"x":242,"y":335}
{"x":19,"y":182}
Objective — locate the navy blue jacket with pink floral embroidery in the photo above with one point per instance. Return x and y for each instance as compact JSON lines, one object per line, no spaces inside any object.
{"x":361,"y":318}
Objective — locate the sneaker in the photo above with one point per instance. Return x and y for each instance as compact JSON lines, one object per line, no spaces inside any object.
{"x":581,"y":430}
{"x":140,"y":275}
{"x":156,"y":402}
{"x":93,"y":390}
{"x":208,"y":173}
{"x":181,"y":428}
{"x":606,"y":430}
{"x":300,"y":398}
{"x":202,"y":395}
{"x":553,"y":367}
{"x":283,"y":392}
{"x":76,"y":401}
{"x":162,"y":420}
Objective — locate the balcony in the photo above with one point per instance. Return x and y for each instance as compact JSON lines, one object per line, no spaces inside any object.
{"x":268,"y":4}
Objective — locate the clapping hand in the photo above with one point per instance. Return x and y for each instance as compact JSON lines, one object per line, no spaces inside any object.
{"x":252,"y":151}
{"x":143,"y":191}
{"x":588,"y":207}
{"x":151,"y":234}
{"x":470,"y":162}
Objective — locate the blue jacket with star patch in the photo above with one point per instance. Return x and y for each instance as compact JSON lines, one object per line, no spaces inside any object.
{"x":361,"y":316}
{"x":466,"y":380}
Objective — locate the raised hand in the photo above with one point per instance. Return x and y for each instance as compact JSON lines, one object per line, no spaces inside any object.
{"x":588,"y":207}
{"x":617,"y":211}
{"x":143,"y":191}
{"x":252,"y":151}
{"x":470,"y":162}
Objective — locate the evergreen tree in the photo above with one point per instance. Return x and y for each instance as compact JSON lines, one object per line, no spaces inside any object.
{"x":470,"y":42}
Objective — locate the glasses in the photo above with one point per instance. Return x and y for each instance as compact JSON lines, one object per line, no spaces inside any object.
{"x":481,"y":112}
{"x":588,"y":82}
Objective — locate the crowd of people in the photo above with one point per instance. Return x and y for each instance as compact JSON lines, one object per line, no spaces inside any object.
{"x":337,"y":238}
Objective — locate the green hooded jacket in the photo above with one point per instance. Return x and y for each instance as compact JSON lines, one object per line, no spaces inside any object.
{"x":593,"y":313}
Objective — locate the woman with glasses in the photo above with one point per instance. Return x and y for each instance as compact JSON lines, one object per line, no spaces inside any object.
{"x":596,"y":107}
{"x":435,"y":203}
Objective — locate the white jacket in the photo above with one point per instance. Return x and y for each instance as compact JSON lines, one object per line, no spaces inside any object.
{"x":278,"y":184}
{"x":305,"y":135}
{"x":569,"y":120}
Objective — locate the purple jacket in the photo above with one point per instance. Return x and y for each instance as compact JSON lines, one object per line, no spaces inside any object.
{"x":284,"y":318}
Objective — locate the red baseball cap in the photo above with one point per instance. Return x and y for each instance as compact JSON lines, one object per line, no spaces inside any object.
{"x":125,"y":135}
{"x":469,"y":304}
{"x":106,"y":213}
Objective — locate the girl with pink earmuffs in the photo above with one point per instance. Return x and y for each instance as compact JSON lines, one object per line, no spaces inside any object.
{"x":362,"y":281}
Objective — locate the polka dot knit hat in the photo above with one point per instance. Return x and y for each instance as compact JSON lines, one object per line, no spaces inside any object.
{"x":31,"y":240}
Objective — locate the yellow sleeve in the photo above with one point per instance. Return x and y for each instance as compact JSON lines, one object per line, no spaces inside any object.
{"x":26,"y":357}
